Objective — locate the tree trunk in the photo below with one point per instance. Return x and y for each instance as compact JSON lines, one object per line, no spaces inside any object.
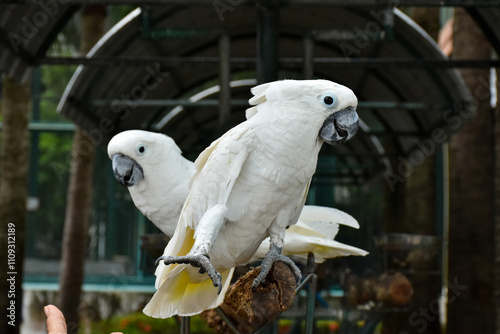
{"x":428,"y":19}
{"x":14,"y":152}
{"x":471,"y":244}
{"x":75,"y":228}
{"x":79,"y":194}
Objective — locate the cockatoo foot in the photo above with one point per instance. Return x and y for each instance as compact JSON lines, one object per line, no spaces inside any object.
{"x":199,"y":261}
{"x":274,"y":255}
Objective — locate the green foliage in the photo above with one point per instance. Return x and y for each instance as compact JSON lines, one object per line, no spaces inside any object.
{"x":138,"y":323}
{"x":320,"y":326}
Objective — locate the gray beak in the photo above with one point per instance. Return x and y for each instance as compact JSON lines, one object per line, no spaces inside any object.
{"x":340,"y":126}
{"x":126,"y":170}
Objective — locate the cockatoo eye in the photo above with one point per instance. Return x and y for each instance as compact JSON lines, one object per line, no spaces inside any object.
{"x":329,"y":100}
{"x":141,"y":149}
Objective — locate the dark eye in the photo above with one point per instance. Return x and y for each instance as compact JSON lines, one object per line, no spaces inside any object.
{"x":141,"y":149}
{"x":328,"y":100}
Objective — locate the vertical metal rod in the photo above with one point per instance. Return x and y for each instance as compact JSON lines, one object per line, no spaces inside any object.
{"x":145,"y":21}
{"x":445,"y":227}
{"x":311,"y":300}
{"x":111,"y":226}
{"x":224,"y":79}
{"x":267,"y":43}
{"x":228,"y":322}
{"x":36,"y":91}
{"x":185,"y":325}
{"x":308,"y":57}
{"x":141,"y":230}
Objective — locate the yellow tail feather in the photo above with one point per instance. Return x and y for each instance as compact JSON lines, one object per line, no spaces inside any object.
{"x":181,"y":295}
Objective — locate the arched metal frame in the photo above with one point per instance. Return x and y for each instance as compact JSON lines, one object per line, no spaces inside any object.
{"x":367,"y":46}
{"x":399,"y":106}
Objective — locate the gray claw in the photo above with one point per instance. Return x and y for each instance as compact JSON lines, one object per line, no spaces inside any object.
{"x":274,"y":255}
{"x":199,"y":261}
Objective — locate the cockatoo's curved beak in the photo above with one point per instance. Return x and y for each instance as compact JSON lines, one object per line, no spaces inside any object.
{"x":126,"y":170}
{"x":340,"y":126}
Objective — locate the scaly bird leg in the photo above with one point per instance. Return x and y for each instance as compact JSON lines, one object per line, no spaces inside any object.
{"x":199,"y":261}
{"x":274,"y":255}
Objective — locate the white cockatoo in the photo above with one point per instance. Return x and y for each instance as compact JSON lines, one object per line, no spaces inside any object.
{"x":250,"y":184}
{"x":151,"y":165}
{"x":157,"y":176}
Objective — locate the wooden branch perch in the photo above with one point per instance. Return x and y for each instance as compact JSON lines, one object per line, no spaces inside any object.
{"x":249,"y":310}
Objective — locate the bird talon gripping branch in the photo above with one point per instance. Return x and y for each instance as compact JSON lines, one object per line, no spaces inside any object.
{"x":161,"y":258}
{"x":198,"y":261}
{"x":274,"y":255}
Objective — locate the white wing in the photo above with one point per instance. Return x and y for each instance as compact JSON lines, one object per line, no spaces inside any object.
{"x":314,"y":232}
{"x":326,"y":220}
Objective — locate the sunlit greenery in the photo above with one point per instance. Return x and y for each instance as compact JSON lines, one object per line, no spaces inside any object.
{"x":140,"y":323}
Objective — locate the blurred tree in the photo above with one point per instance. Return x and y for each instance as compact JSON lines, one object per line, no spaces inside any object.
{"x":79,"y":193}
{"x":13,"y":196}
{"x":471,"y":244}
{"x":428,"y":19}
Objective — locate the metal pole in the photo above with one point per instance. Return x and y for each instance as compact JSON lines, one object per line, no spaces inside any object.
{"x":267,"y":44}
{"x":311,"y":279}
{"x":228,"y":322}
{"x":308,"y":57}
{"x":311,"y":300}
{"x":411,"y":3}
{"x":381,"y":105}
{"x":31,"y":219}
{"x":266,"y":61}
{"x":445,"y":225}
{"x":224,"y":79}
{"x":185,"y":325}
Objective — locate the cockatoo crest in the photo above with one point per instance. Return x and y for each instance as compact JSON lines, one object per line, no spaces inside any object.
{"x":300,"y":89}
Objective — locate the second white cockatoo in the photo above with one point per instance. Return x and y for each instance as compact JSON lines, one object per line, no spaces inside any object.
{"x":151,"y":165}
{"x":250,"y":184}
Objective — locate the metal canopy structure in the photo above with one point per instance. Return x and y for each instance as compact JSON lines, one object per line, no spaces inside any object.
{"x":185,"y":97}
{"x":185,"y":68}
{"x":26,"y":33}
